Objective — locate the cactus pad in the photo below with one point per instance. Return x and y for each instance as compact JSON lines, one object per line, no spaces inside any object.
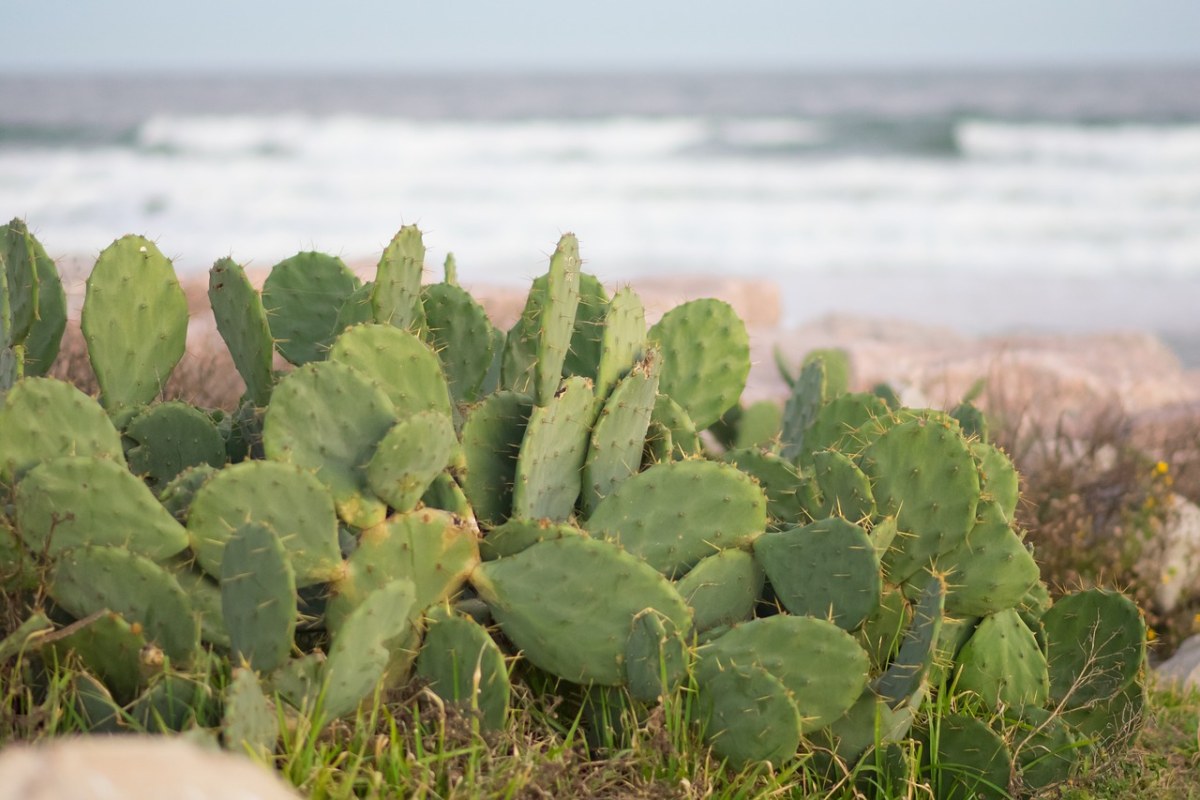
{"x":459,"y":332}
{"x":750,"y":715}
{"x":656,"y":656}
{"x":1095,"y":646}
{"x":258,"y":597}
{"x":242,"y":323}
{"x":42,"y":418}
{"x":409,"y":457}
{"x":396,"y":296}
{"x":402,"y":365}
{"x":519,"y":534}
{"x":549,"y":466}
{"x":722,"y":589}
{"x":491,"y":440}
{"x":170,"y":437}
{"x":1002,"y":663}
{"x":619,"y":435}
{"x":303,"y":296}
{"x":463,"y":665}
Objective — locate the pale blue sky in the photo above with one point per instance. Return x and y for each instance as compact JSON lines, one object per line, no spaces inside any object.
{"x":236,"y":35}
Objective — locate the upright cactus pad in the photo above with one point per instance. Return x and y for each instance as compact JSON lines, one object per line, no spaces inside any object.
{"x":329,"y":418}
{"x":91,"y":579}
{"x":20,"y":283}
{"x":828,"y":569}
{"x":491,"y":440}
{"x":1003,"y":664}
{"x":911,"y":666}
{"x":821,"y":665}
{"x":834,"y":424}
{"x":676,"y":513}
{"x":42,"y":419}
{"x":800,"y":411}
{"x":922,"y":473}
{"x":750,"y":715}
{"x":684,"y":440}
{"x":615,"y":446}
{"x":991,"y":570}
{"x":557,"y":318}
{"x":574,"y":618}
{"x":845,"y":490}
{"x":135,"y":320}
{"x":656,"y":656}
{"x":722,"y":589}
{"x":459,"y":332}
{"x":75,"y":501}
{"x":428,"y":548}
{"x":409,"y":457}
{"x":303,"y":296}
{"x":584,"y":354}
{"x":170,"y":437}
{"x":249,"y":721}
{"x":706,"y":358}
{"x":242,"y":323}
{"x":44,"y":337}
{"x":550,"y":463}
{"x":1095,"y":646}
{"x":791,"y":496}
{"x":396,"y":297}
{"x":364,"y":645}
{"x":622,"y":341}
{"x":399,"y":363}
{"x":463,"y":665}
{"x":258,"y":597}
{"x":291,"y":502}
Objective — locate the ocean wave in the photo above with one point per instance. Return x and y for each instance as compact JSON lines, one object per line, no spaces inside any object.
{"x":1114,"y":145}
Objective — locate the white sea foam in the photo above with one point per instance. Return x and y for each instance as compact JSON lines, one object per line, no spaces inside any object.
{"x":754,"y":195}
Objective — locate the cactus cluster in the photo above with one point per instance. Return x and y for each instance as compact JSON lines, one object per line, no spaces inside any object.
{"x":426,"y":497}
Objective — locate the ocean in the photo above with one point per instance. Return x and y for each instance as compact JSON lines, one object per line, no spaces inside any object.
{"x":906,"y":192}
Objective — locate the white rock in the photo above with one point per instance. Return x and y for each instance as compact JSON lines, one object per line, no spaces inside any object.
{"x":132,"y":768}
{"x":1182,"y":670}
{"x":1175,"y":552}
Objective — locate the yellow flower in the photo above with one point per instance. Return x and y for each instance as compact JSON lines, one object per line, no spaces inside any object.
{"x":1162,"y":468}
{"x":1151,"y":634}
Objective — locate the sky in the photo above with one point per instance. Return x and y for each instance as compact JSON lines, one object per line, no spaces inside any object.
{"x":601,"y":35}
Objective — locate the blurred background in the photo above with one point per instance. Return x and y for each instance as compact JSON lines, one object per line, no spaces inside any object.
{"x":1016,"y":166}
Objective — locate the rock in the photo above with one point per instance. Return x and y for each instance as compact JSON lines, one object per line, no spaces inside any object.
{"x":1172,"y":555}
{"x":132,"y":768}
{"x":1182,"y":670}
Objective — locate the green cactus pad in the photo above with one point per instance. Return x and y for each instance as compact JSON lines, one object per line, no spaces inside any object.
{"x":176,"y":497}
{"x":1002,"y":663}
{"x":91,"y":579}
{"x":258,"y":597}
{"x":167,"y":438}
{"x":969,"y":760}
{"x":574,"y":618}
{"x":45,"y":332}
{"x":998,"y":478}
{"x":706,"y":358}
{"x":444,"y":493}
{"x":557,"y":318}
{"x":491,"y":440}
{"x":973,"y":422}
{"x":111,"y":649}
{"x":97,"y":711}
{"x":845,"y":489}
{"x":1095,"y":646}
{"x":77,"y":500}
{"x":42,"y":418}
{"x":249,"y":723}
{"x":882,"y":632}
{"x":135,"y":320}
{"x":622,"y":340}
{"x":827,"y":569}
{"x":684,"y":440}
{"x":803,"y":404}
{"x":1111,"y":722}
{"x":820,"y":664}
{"x":242,"y":323}
{"x":789,"y":494}
{"x":410,"y":456}
{"x":291,"y":502}
{"x":428,"y":548}
{"x":303,"y":296}
{"x":363,"y":646}
{"x":722,"y":589}
{"x":355,"y":310}
{"x":520,"y":534}
{"x":759,"y":425}
{"x":173,"y":703}
{"x":459,"y":332}
{"x":328,"y":418}
{"x":463,"y":665}
{"x":587,"y":340}
{"x":656,"y":657}
{"x":909,"y":669}
{"x":398,"y":362}
{"x":922,"y":473}
{"x":549,"y":466}
{"x":20,"y":283}
{"x":396,"y":298}
{"x":615,"y":448}
{"x":950,"y":639}
{"x":676,"y":513}
{"x":835,"y":422}
{"x":750,"y":716}
{"x":991,"y":571}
